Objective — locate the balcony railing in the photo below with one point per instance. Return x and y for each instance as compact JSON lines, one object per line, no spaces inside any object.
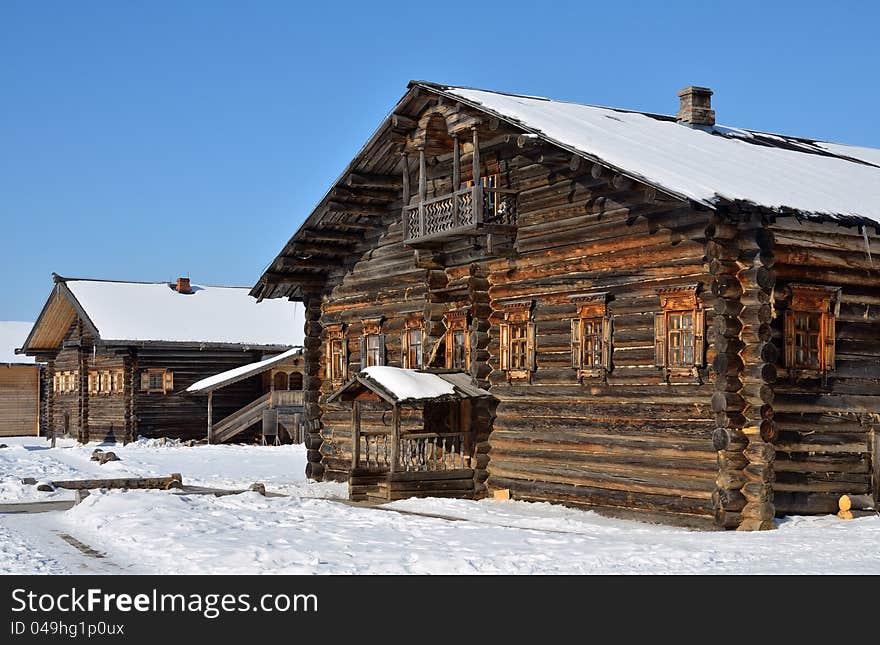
{"x":467,"y":211}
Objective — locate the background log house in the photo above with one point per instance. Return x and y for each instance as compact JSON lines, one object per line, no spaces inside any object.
{"x":21,"y":380}
{"x":120,"y":355}
{"x":674,"y":249}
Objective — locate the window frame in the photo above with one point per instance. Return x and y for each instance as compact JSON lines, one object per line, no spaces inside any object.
{"x":167,"y":379}
{"x":591,"y":309}
{"x":336,"y":339}
{"x":413,"y":325}
{"x":819,"y":303}
{"x":457,"y":322}
{"x":372,"y":328}
{"x":518,"y":322}
{"x":680,"y":301}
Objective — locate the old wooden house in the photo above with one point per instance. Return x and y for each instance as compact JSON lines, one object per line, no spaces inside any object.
{"x":119,"y":356}
{"x":657,"y":315}
{"x":19,"y":383}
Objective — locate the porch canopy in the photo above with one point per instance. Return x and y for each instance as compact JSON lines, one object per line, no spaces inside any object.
{"x":436,"y":432}
{"x":396,"y":385}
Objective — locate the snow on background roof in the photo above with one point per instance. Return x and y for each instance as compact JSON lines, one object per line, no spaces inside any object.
{"x":12,"y":336}
{"x":409,"y":384}
{"x":239,"y":373}
{"x":697,"y":164}
{"x":139,"y":311}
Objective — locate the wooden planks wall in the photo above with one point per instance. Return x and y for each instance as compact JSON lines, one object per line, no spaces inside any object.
{"x":19,"y":400}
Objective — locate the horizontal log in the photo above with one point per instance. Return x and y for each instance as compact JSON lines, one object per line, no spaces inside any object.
{"x":172,"y":481}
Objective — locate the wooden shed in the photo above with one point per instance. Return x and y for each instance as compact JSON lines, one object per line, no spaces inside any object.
{"x":675,"y":320}
{"x":19,"y":383}
{"x":119,"y":356}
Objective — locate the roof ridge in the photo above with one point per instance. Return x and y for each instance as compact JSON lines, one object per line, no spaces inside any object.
{"x":65,"y":280}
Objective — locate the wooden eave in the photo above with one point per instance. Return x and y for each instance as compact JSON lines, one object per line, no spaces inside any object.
{"x":55,"y":318}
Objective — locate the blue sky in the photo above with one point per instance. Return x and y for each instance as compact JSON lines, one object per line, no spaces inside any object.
{"x":141,"y":141}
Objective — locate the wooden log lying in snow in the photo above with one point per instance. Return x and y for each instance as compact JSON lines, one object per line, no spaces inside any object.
{"x":175,"y":480}
{"x":856,"y":503}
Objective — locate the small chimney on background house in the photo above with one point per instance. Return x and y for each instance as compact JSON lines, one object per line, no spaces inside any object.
{"x":696,"y":106}
{"x":183,"y":286}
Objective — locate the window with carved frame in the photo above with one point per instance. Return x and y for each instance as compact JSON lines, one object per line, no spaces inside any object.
{"x":412,"y":340}
{"x":336,"y":354}
{"x":591,"y":336}
{"x":518,"y":341}
{"x":372,"y":343}
{"x":157,"y":381}
{"x":810,"y":328}
{"x":457,"y":340}
{"x":679,"y":331}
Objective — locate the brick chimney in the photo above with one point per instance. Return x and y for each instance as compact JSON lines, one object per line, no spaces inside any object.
{"x":696,"y":106}
{"x":183,"y":286}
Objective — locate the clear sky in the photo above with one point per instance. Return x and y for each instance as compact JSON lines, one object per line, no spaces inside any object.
{"x":146,"y":140}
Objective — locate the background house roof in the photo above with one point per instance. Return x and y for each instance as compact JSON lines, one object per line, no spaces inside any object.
{"x":153,"y":312}
{"x":12,"y":336}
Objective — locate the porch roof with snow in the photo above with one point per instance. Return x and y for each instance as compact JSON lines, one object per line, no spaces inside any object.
{"x":237,"y":374}
{"x":396,"y":385}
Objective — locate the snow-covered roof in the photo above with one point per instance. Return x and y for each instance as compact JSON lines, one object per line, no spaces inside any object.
{"x":143,"y":311}
{"x":706,"y":164}
{"x":240,"y":373}
{"x":12,"y":336}
{"x":397,"y":384}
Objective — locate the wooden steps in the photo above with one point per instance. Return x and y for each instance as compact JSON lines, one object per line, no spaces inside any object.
{"x":387,"y":487}
{"x":241,"y":420}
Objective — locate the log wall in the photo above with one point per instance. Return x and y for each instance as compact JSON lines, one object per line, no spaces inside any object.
{"x":826,"y":442}
{"x":19,"y":400}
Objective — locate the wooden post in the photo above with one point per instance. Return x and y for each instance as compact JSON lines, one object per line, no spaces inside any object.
{"x":395,"y":439}
{"x":423,"y":190}
{"x":355,"y":434}
{"x":406,"y":231}
{"x":210,"y":417}
{"x":456,"y":178}
{"x":476,"y":199}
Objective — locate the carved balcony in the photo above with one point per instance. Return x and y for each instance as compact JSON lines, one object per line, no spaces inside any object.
{"x":471,"y":211}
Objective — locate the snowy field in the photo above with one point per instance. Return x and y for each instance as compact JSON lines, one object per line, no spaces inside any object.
{"x":313,"y":531}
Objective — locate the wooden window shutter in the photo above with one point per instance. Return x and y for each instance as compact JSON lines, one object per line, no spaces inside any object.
{"x":532,"y":346}
{"x":145,"y":381}
{"x":660,"y":339}
{"x":699,"y":337}
{"x":381,"y":349}
{"x":789,"y":338}
{"x":363,"y":352}
{"x":167,"y":381}
{"x":576,"y":343}
{"x":344,"y":375}
{"x":607,"y":334}
{"x":828,"y":336}
{"x":328,"y":360}
{"x":467,"y":349}
{"x":449,"y":341}
{"x":93,"y":382}
{"x":504,"y":342}
{"x":404,"y":349}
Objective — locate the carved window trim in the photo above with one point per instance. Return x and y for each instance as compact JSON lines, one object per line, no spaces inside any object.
{"x":413,"y":327}
{"x":336,"y":354}
{"x":518,"y":338}
{"x":150,"y":379}
{"x":817,"y":304}
{"x":591,"y":327}
{"x":457,"y":322}
{"x":372,"y":343}
{"x":680,"y":304}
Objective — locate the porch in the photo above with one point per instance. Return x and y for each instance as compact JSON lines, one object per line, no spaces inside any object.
{"x":411,"y":434}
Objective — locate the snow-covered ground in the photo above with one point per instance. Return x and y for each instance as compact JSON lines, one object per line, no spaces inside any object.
{"x":311,"y":532}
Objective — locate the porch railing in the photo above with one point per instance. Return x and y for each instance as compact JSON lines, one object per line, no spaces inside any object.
{"x":462,"y":211}
{"x":286,"y":397}
{"x":416,"y":452}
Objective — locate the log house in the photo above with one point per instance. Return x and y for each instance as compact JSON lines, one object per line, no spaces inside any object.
{"x":674,"y":320}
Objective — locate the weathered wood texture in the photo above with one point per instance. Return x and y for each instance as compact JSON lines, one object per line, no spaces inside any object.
{"x":19,"y":400}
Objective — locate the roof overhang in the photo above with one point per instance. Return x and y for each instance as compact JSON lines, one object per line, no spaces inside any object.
{"x":460,"y":386}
